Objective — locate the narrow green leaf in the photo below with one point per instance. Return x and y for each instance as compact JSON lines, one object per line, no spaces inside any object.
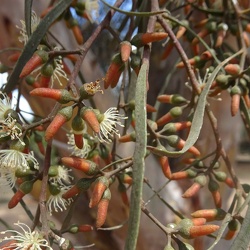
{"x":28,"y":13}
{"x":243,"y":238}
{"x":198,"y":116}
{"x":34,"y":41}
{"x":138,"y":158}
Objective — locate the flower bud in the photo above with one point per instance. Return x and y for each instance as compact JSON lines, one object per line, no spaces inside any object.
{"x":39,"y":57}
{"x":25,"y":188}
{"x":101,"y":184}
{"x":210,"y":214}
{"x":82,"y":185}
{"x":89,"y":116}
{"x":88,"y":167}
{"x":235,"y":93}
{"x":114,"y":71}
{"x":233,"y":227}
{"x":213,"y":187}
{"x":78,"y":127}
{"x":172,"y":114}
{"x":61,"y":95}
{"x":125,"y":50}
{"x":189,"y":173}
{"x":142,"y":39}
{"x":59,"y":120}
{"x":199,"y":182}
{"x":128,"y":138}
{"x":47,"y":71}
{"x":223,"y":80}
{"x":233,"y":69}
{"x":102,"y":208}
{"x":165,"y":167}
{"x":173,"y":99}
{"x":172,"y":128}
{"x":176,"y":142}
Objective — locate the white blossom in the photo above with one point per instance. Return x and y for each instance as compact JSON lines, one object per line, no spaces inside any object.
{"x":75,"y":151}
{"x":25,"y":239}
{"x":63,"y":176}
{"x":5,"y":104}
{"x":11,"y":158}
{"x":10,"y":127}
{"x":35,"y":20}
{"x":56,"y":202}
{"x":108,"y":122}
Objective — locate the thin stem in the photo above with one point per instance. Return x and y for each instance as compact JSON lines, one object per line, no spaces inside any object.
{"x":43,"y":194}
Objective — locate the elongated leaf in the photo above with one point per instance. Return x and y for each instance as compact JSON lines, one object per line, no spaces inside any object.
{"x":138,"y":158}
{"x":34,"y":41}
{"x":28,"y":13}
{"x":198,"y":116}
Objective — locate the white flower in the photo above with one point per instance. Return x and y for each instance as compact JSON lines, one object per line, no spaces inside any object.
{"x":35,"y":20}
{"x":5,"y":104}
{"x":56,"y":202}
{"x":58,"y":72}
{"x":108,"y":122}
{"x":9,"y":127}
{"x":75,"y":151}
{"x":7,"y":177}
{"x":63,"y":176}
{"x":11,"y":158}
{"x":24,"y":240}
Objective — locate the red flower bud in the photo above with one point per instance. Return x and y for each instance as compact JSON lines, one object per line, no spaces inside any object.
{"x":125,"y":50}
{"x":233,"y":69}
{"x":165,"y":166}
{"x":235,"y":99}
{"x":176,"y":142}
{"x":172,"y":114}
{"x":101,"y":184}
{"x":127,"y":138}
{"x":114,"y":71}
{"x":199,"y":182}
{"x":82,"y":185}
{"x":25,"y":188}
{"x":61,"y":95}
{"x":88,"y":167}
{"x":103,"y":208}
{"x":142,"y":39}
{"x":38,"y":58}
{"x":89,"y":116}
{"x":61,"y":118}
{"x":210,"y":214}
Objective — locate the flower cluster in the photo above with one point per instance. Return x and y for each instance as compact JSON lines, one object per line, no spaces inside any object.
{"x":25,"y":239}
{"x":59,"y":183}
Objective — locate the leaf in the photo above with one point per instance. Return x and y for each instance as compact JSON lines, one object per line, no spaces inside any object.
{"x":34,"y":41}
{"x":197,"y":118}
{"x":138,"y":158}
{"x":28,"y":13}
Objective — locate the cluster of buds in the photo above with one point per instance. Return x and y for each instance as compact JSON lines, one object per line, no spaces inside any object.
{"x":192,"y":228}
{"x":118,"y":60}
